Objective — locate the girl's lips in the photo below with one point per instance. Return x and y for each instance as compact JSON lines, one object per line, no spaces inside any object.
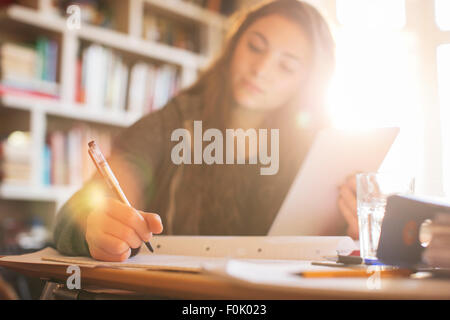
{"x":252,"y":87}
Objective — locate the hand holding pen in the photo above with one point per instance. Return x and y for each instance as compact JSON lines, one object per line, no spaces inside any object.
{"x":115,"y":229}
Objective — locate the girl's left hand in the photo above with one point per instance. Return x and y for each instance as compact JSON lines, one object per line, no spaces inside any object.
{"x":347,"y":205}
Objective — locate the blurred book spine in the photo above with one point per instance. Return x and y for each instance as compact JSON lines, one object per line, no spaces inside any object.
{"x":104,"y":81}
{"x":4,"y":3}
{"x":16,"y":158}
{"x":219,"y":6}
{"x":169,"y":31}
{"x":151,"y":87}
{"x":101,"y":79}
{"x":29,"y":69}
{"x":95,"y":12}
{"x":65,"y":156}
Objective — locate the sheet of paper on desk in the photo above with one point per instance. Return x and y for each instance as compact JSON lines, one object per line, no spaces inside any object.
{"x":180,"y":253}
{"x":260,"y":271}
{"x":167,"y":262}
{"x":141,"y":261}
{"x":36,"y":257}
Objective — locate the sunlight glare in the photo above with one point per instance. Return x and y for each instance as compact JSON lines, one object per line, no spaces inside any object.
{"x":443,"y":61}
{"x":442,"y":11}
{"x":379,"y":14}
{"x":375,"y":85}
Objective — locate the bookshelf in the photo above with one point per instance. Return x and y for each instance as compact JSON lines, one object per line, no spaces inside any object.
{"x":38,"y":114}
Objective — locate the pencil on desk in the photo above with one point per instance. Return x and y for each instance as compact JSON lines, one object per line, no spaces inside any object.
{"x":106,"y":172}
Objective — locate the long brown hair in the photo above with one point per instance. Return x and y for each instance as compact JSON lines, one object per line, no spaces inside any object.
{"x":214,"y":82}
{"x":201,"y":185}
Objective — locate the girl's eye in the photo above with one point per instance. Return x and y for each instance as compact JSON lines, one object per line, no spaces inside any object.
{"x":289,"y":67}
{"x":254,"y":47}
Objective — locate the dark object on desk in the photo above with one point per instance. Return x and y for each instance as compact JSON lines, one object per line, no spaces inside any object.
{"x":349,"y":259}
{"x":352,"y":260}
{"x":338,"y":265}
{"x":399,"y":240}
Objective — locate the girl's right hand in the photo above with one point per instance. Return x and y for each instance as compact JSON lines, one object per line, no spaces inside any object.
{"x":115,"y":228}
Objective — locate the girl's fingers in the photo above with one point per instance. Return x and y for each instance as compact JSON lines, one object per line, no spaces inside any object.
{"x":349,"y":216}
{"x":107,"y":243}
{"x":118,"y":230}
{"x":353,"y":232}
{"x":100,"y":254}
{"x":351,"y":183}
{"x":154,"y":222}
{"x":348,"y":207}
{"x":129,"y":217}
{"x":349,"y":198}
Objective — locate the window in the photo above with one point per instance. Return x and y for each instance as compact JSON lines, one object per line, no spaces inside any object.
{"x":386,"y":76}
{"x":442,"y":11}
{"x":371,"y":13}
{"x":375,"y":86}
{"x":376,"y":77}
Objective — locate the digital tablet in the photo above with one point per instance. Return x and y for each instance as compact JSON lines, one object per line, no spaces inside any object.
{"x":310,"y":206}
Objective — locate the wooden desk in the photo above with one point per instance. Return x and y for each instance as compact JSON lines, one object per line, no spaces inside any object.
{"x":182,"y":285}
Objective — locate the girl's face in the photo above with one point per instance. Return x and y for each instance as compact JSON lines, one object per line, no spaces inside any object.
{"x":270,"y":63}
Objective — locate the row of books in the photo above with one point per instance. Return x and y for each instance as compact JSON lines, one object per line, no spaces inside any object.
{"x":96,"y":12}
{"x":102,"y":78}
{"x":220,"y":6}
{"x":15,"y":161}
{"x":106,"y":81}
{"x":151,"y":87}
{"x":172,"y":32}
{"x":29,"y":67}
{"x":65,"y":157}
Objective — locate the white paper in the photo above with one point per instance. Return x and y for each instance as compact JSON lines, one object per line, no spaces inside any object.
{"x":192,"y":254}
{"x":141,"y":261}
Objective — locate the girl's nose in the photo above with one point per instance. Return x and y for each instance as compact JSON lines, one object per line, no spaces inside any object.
{"x":261,"y":66}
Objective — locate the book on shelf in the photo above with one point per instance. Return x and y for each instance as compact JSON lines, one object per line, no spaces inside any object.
{"x":101,"y":79}
{"x":65,"y":157}
{"x":29,"y":69}
{"x":220,"y":6}
{"x":158,"y":28}
{"x":4,"y":3}
{"x":95,"y":12}
{"x":16,"y":158}
{"x":214,"y":5}
{"x":151,"y":87}
{"x":105,"y":82}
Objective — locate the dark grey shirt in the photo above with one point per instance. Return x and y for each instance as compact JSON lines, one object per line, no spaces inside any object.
{"x":191,"y":199}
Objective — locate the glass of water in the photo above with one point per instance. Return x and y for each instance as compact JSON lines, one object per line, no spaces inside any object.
{"x":372,"y":191}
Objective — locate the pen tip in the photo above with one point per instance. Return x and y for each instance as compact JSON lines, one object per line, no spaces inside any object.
{"x":149,"y":246}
